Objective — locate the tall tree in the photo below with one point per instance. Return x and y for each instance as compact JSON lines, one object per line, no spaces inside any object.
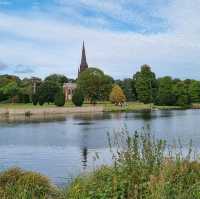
{"x":165,"y":94}
{"x":145,"y":84}
{"x":181,"y":92}
{"x":95,"y":84}
{"x":194,"y":91}
{"x":48,"y":90}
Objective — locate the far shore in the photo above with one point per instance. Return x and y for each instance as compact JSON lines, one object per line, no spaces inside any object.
{"x":50,"y":109}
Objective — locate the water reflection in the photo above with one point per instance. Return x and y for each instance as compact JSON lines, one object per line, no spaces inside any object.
{"x":84,"y":157}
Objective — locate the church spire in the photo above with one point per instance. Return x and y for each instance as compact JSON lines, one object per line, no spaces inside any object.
{"x":83,"y":65}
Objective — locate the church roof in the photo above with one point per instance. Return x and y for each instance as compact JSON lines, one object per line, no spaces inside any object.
{"x":83,"y":65}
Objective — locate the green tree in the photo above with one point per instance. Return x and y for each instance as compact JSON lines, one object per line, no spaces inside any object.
{"x":117,"y":96}
{"x":41,"y":100}
{"x":48,"y":90}
{"x":145,"y":84}
{"x":95,"y":84}
{"x":165,"y":94}
{"x":128,"y":89}
{"x":78,"y":97}
{"x":11,"y":90}
{"x":194,"y":91}
{"x":181,"y":92}
{"x":56,"y":78}
{"x":35,"y":99}
{"x":60,"y":98}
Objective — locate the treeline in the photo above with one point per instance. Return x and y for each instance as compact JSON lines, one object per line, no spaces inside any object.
{"x":36,"y":90}
{"x":146,"y":88}
{"x":93,"y":85}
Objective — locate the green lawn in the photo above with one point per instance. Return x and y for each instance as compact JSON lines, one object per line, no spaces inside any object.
{"x":108,"y":107}
{"x":135,"y":106}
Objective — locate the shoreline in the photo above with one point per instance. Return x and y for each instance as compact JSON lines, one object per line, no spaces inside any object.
{"x":48,"y":111}
{"x":99,"y":108}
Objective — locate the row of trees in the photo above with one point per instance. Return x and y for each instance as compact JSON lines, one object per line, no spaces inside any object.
{"x":165,"y":90}
{"x":143,"y":87}
{"x":15,"y":90}
{"x":93,"y":85}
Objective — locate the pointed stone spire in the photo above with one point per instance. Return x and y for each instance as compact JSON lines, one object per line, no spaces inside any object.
{"x":84,"y":64}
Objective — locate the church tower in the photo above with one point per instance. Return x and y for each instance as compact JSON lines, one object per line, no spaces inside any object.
{"x":83,"y":65}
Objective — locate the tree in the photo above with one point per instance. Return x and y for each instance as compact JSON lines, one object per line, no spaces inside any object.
{"x":48,"y":90}
{"x":60,"y":98}
{"x":41,"y":100}
{"x":23,"y":98}
{"x":181,"y":94}
{"x":128,"y":89}
{"x":78,"y":97}
{"x":145,"y":84}
{"x":11,"y":90}
{"x":95,"y":84}
{"x":56,"y":78}
{"x":117,"y":95}
{"x":165,"y":94}
{"x":35,"y":99}
{"x":194,"y":91}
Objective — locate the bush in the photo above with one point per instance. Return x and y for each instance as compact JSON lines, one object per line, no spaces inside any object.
{"x":60,"y":99}
{"x":78,"y":97}
{"x":41,"y":100}
{"x":17,"y":184}
{"x":35,"y":99}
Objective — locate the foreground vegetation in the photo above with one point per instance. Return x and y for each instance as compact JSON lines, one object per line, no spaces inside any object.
{"x":141,"y":170}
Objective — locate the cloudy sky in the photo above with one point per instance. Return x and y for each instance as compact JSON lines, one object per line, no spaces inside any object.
{"x":41,"y":37}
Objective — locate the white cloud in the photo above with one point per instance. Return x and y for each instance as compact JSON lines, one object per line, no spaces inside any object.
{"x":136,"y":14}
{"x":54,"y":46}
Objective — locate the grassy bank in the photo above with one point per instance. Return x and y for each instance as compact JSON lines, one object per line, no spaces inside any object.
{"x":108,"y":107}
{"x":140,"y":171}
{"x":135,"y":106}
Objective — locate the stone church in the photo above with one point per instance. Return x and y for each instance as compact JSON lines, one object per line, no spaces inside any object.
{"x":69,"y":88}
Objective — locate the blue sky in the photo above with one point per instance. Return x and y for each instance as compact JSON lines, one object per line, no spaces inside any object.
{"x":41,"y":37}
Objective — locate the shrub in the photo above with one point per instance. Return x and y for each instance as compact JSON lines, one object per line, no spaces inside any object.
{"x":117,"y":95}
{"x":41,"y":100}
{"x":35,"y":99}
{"x":17,"y":184}
{"x":60,"y":99}
{"x":78,"y":97}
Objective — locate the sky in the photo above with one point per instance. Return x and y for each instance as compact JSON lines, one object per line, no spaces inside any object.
{"x":42,"y":37}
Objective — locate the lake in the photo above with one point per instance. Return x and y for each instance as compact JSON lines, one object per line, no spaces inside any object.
{"x":62,"y":147}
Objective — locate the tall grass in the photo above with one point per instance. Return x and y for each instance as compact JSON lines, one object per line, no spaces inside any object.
{"x":141,"y":171}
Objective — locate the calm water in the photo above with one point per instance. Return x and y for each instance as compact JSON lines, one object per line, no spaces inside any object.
{"x":65,"y":146}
